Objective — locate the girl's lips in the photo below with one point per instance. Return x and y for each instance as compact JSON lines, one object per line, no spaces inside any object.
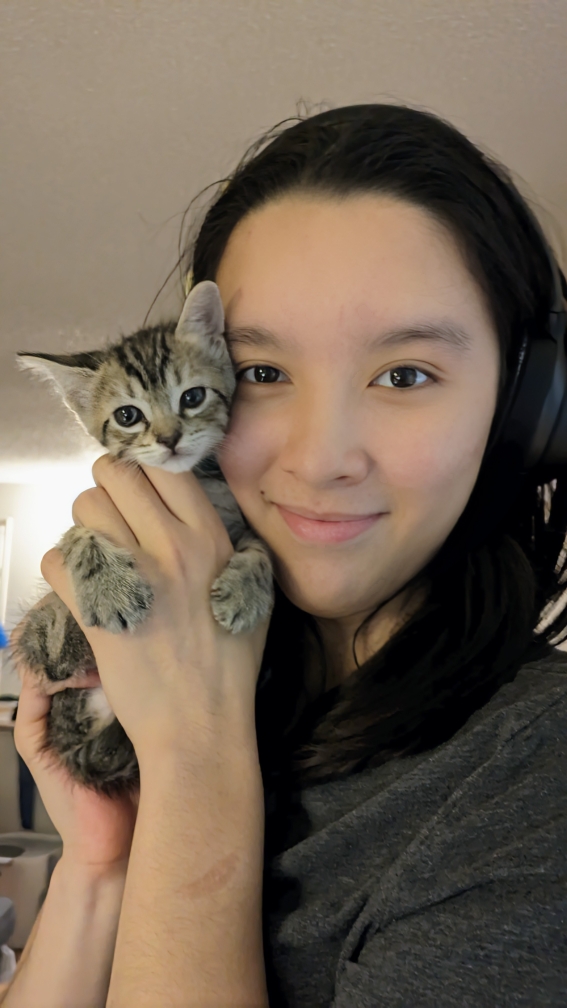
{"x":324,"y":530}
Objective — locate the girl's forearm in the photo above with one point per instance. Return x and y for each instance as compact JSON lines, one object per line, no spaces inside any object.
{"x":68,"y":957}
{"x":190,"y":930}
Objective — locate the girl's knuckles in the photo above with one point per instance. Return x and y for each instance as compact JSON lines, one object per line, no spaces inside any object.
{"x":102,"y":467}
{"x":51,"y":563}
{"x":88,"y":500}
{"x":181,"y":561}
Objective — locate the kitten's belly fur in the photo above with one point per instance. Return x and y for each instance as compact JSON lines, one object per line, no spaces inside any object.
{"x":98,"y":709}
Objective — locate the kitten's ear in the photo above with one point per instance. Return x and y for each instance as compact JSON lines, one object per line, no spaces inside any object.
{"x":203,"y":313}
{"x":72,"y":374}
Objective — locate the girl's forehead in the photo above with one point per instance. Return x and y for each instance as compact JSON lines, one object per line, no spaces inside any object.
{"x":329,"y":246}
{"x":323,"y":225}
{"x":316,"y":270}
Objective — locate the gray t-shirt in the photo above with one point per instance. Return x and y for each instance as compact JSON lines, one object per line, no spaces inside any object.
{"x":436,"y":880}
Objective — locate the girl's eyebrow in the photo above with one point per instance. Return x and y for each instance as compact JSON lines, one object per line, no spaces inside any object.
{"x":434,"y":330}
{"x":254,"y":336}
{"x":439,"y":330}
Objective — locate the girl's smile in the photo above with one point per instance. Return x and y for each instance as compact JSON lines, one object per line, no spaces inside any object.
{"x":332,"y":528}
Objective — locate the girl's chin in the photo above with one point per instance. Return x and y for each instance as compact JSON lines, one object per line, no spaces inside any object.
{"x":325,"y":600}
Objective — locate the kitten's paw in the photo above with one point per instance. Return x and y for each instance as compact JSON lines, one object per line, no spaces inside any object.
{"x":110,"y":592}
{"x":242,"y":595}
{"x":51,"y":643}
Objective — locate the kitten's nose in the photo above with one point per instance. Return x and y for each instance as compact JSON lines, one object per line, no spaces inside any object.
{"x":169,"y":440}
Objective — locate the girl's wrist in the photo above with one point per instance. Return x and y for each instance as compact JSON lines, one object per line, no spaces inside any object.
{"x":91,"y":874}
{"x":197,"y":746}
{"x":200,"y":735}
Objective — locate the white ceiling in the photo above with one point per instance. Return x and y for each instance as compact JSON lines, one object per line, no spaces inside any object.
{"x":116,"y":112}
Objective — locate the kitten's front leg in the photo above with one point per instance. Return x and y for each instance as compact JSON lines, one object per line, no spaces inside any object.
{"x":110,"y":592}
{"x":243,"y":594}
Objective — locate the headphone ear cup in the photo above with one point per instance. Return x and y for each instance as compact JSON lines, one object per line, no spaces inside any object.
{"x":556,"y":452}
{"x":536,"y":422}
{"x":534,"y":414}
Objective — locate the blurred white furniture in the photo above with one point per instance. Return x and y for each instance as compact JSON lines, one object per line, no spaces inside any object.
{"x":27,"y":860}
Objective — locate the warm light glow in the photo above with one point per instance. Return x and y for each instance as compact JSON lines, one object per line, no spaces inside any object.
{"x":39,"y":497}
{"x":71,"y":473}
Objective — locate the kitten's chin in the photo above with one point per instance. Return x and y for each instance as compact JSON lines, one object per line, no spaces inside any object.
{"x":175,"y":463}
{"x":179,"y":463}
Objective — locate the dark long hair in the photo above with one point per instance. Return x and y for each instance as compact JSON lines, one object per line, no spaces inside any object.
{"x":487,"y":588}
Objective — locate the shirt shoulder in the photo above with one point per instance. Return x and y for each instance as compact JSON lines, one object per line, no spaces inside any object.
{"x":473,"y":911}
{"x":441,"y":878}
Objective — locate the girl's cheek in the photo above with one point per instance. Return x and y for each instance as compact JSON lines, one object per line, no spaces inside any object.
{"x":247,"y":449}
{"x":431,"y":456}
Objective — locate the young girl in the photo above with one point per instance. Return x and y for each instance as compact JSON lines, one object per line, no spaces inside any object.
{"x":363,"y":804}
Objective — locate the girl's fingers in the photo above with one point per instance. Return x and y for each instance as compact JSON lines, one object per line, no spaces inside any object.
{"x":183,"y":496}
{"x":56,"y":574}
{"x":30,"y":726}
{"x":94,"y":509}
{"x":82,"y":680}
{"x":34,"y":704}
{"x":153,"y":502}
{"x":137,"y":501}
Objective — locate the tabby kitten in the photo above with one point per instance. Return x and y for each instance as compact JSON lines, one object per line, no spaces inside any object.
{"x":161,"y":398}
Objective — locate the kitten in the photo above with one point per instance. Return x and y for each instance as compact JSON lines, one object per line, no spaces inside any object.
{"x":161,"y":398}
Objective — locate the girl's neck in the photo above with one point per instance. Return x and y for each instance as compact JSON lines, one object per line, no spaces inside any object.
{"x":337,"y":636}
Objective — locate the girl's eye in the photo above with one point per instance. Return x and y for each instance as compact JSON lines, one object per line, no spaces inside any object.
{"x":401,"y":377}
{"x":127,"y":416}
{"x":261,"y":374}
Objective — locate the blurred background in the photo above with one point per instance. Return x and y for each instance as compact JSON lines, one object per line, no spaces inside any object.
{"x":116,"y":113}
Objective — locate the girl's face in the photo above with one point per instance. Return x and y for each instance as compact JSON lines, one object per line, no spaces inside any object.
{"x":368,"y":372}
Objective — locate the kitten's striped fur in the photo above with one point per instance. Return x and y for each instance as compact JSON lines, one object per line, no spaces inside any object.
{"x":161,"y":373}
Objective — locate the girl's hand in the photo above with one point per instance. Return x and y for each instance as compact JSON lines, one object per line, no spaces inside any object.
{"x":179,"y":676}
{"x":96,"y":830}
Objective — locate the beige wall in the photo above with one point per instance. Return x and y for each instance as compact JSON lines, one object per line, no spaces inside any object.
{"x":114,"y":113}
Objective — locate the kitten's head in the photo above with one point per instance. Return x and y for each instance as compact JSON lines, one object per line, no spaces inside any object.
{"x":159,"y":397}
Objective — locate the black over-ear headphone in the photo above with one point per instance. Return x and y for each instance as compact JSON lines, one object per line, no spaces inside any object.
{"x":534,"y":424}
{"x":529,"y":437}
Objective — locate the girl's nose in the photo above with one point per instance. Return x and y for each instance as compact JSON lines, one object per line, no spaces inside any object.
{"x":324,"y":445}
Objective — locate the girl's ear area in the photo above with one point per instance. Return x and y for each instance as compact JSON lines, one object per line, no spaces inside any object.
{"x":203,"y":313}
{"x":72,"y":374}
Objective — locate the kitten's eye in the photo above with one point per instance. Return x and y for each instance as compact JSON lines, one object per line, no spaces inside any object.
{"x":261,"y":374}
{"x":401,"y":377}
{"x":193,"y":397}
{"x":127,"y":416}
